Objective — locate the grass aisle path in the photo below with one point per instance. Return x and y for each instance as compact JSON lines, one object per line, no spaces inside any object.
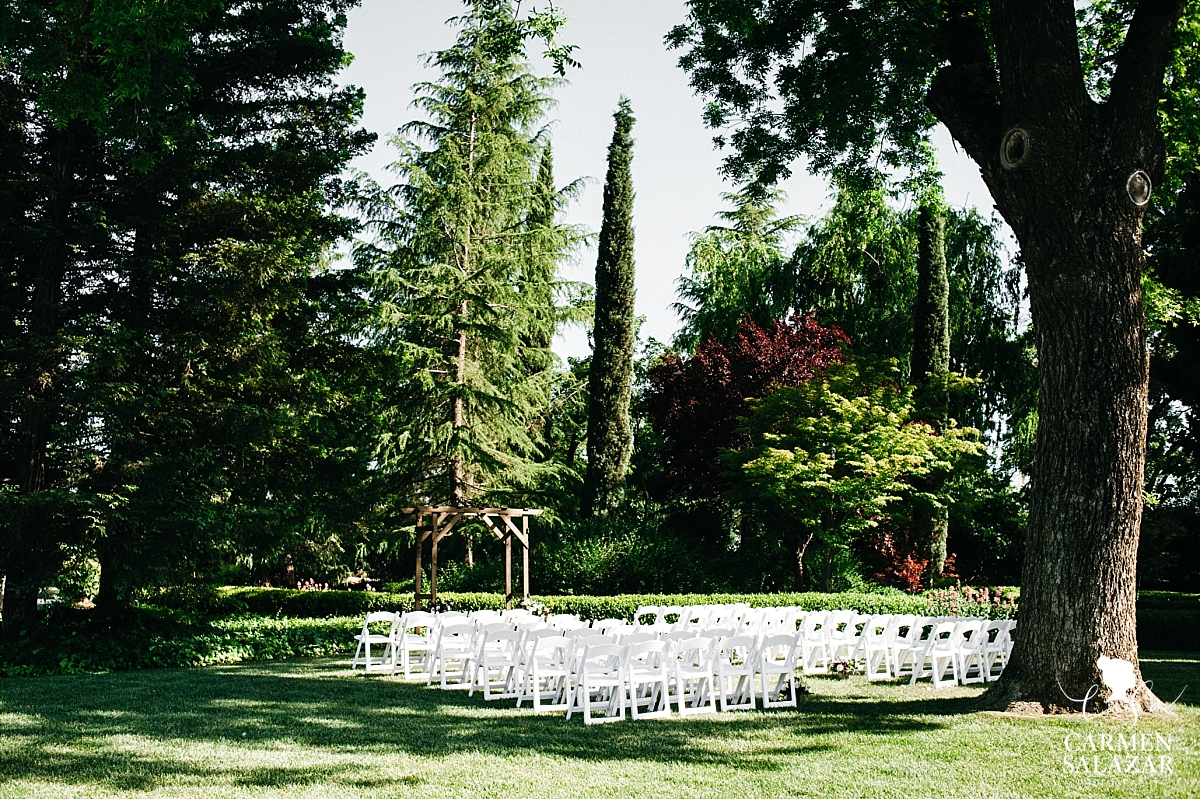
{"x":307,"y":728}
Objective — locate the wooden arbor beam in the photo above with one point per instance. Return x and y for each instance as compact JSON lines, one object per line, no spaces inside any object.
{"x":505,"y":524}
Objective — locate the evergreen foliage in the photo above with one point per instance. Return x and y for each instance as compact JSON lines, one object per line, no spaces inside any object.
{"x":464,"y":268}
{"x":610,"y":379}
{"x":168,"y":284}
{"x":737,"y":272}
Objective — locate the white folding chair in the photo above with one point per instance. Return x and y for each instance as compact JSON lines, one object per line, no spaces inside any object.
{"x":938,"y":657}
{"x":495,"y":664}
{"x":694,"y":676}
{"x":415,"y":636}
{"x":906,"y":631}
{"x":452,"y":656}
{"x":996,"y":646}
{"x":840,"y":632}
{"x":600,"y":684}
{"x":736,"y":665}
{"x":546,"y":680}
{"x":814,"y":643}
{"x":877,"y":652}
{"x":648,"y":679}
{"x":366,"y":638}
{"x":969,"y":643}
{"x":777,"y":660}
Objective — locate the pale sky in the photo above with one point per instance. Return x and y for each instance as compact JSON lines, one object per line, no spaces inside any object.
{"x":675,"y":167}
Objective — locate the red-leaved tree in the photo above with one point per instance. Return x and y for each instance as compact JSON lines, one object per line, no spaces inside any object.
{"x":696,"y":405}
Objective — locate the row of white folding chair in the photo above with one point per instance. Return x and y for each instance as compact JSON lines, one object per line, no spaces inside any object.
{"x":696,"y":674}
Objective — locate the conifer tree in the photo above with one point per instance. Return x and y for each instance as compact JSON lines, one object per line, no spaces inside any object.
{"x":931,"y":351}
{"x":464,"y":264}
{"x":610,"y":380}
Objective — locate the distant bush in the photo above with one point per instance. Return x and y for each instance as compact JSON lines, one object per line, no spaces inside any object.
{"x":73,"y":641}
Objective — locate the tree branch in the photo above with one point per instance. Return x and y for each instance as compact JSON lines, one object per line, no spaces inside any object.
{"x":1137,"y":84}
{"x":965,"y":94}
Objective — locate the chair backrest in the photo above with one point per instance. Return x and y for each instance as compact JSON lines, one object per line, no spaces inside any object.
{"x":839,"y":623}
{"x":876,"y":628}
{"x":458,"y":635}
{"x":604,"y":657}
{"x":450,"y":616}
{"x":739,"y":645}
{"x":529,"y":623}
{"x":418,"y":618}
{"x":903,"y":627}
{"x":695,"y":651}
{"x":779,"y":648}
{"x":565,"y":621}
{"x":495,"y":626}
{"x":607,"y":625}
{"x":943,"y":634}
{"x":646,"y":616}
{"x":515,"y":613}
{"x":484,"y":614}
{"x":670,"y":610}
{"x":637,"y":638}
{"x":720,"y":633}
{"x":969,"y":634}
{"x":552,"y":649}
{"x":647,"y":650}
{"x":378,"y":617}
{"x":813,"y":625}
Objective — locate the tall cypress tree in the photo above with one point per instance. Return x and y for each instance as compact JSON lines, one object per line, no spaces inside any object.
{"x":931,"y":349}
{"x":610,"y":380}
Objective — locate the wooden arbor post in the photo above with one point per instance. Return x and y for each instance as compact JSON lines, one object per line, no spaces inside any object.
{"x":506,"y":524}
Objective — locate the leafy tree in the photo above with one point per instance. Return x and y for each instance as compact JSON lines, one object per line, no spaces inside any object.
{"x":737,"y":271}
{"x":610,"y":378}
{"x":853,"y":85}
{"x":826,"y":457}
{"x":200,"y":173}
{"x":463,"y":266}
{"x":696,"y":405}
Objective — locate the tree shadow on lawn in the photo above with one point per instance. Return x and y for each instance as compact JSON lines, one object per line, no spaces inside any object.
{"x":76,"y":730}
{"x":1172,"y":675}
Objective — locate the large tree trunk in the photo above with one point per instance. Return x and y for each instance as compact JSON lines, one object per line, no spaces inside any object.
{"x":1059,"y":167}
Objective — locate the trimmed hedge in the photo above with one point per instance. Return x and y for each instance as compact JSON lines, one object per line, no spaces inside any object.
{"x":76,"y":642}
{"x":284,"y":602}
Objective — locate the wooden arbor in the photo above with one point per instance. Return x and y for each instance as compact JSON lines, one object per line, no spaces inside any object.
{"x":504,"y":523}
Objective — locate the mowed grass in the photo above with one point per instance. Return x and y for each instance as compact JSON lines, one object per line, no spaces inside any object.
{"x":310,"y":728}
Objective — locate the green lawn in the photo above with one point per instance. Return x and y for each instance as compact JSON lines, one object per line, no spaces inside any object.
{"x":308,"y":728}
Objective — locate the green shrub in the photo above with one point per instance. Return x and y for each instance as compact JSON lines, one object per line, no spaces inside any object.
{"x":1169,"y":629}
{"x":74,"y":641}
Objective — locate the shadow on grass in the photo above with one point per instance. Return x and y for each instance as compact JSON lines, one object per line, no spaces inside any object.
{"x":1172,"y":675}
{"x":131,"y":731}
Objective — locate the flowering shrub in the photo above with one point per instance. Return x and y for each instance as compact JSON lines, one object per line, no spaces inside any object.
{"x":984,"y":603}
{"x":534,"y":607}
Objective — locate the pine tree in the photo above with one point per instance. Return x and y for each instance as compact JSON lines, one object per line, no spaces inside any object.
{"x":464,"y":266}
{"x":610,"y":380}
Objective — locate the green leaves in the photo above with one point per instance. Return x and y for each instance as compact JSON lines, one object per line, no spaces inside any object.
{"x":831,"y":454}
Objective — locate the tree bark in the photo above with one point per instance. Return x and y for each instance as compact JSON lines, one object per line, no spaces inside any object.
{"x":1064,"y":193}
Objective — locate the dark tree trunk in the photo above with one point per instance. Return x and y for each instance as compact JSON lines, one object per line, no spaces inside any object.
{"x":931,"y":359}
{"x":1063,"y":185}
